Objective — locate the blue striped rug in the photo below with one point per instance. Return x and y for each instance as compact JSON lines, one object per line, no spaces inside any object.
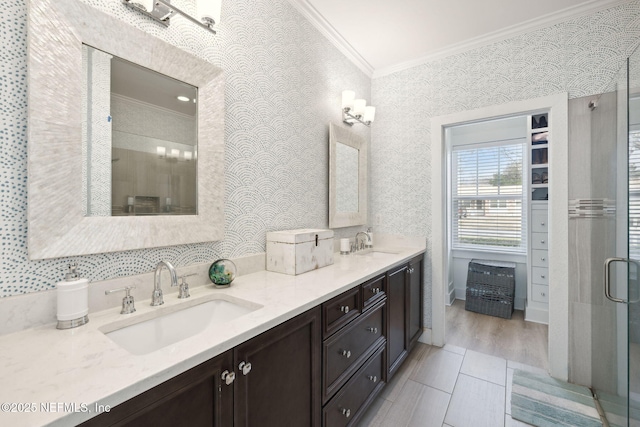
{"x":544,"y":401}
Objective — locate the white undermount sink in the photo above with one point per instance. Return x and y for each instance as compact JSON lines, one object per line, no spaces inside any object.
{"x":170,"y":326}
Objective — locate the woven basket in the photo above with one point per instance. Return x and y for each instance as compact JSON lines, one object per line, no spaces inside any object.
{"x":491,"y":288}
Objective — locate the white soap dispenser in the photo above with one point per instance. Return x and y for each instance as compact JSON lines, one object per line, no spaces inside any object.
{"x":73,"y":300}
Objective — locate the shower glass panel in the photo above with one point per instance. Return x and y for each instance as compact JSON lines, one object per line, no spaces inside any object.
{"x":615,"y":358}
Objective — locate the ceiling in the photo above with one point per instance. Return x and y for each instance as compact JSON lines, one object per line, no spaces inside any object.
{"x":383,"y":36}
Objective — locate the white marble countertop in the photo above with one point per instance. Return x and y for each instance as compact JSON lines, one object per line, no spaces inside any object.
{"x":61,"y":377}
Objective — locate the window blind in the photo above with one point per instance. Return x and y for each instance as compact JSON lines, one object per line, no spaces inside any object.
{"x":488,"y":203}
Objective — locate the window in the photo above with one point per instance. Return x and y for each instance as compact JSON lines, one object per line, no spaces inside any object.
{"x":487,"y":198}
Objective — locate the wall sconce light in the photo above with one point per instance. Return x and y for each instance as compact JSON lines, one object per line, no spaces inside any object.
{"x":162,"y":152}
{"x":356,"y":110}
{"x":188,"y":156}
{"x":162,"y":11}
{"x":175,"y":154}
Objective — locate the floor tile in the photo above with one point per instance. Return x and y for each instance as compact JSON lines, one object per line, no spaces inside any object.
{"x":376,"y":413}
{"x":455,"y":349}
{"x":476,"y":403}
{"x":507,"y":403}
{"x":485,"y":367}
{"x":417,"y":405}
{"x":439,"y":369}
{"x":394,"y":387}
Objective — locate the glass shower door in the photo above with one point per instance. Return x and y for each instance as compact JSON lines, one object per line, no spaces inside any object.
{"x":616,"y":381}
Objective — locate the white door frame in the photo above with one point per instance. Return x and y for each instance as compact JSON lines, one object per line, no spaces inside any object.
{"x":558,"y":219}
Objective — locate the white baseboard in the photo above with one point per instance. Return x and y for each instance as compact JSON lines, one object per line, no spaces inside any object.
{"x":425,"y":338}
{"x":536,"y":315}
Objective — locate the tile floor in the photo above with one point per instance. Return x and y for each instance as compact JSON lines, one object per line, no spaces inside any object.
{"x":449,"y":386}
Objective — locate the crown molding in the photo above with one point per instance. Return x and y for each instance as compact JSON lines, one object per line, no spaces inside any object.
{"x":544,"y":21}
{"x":317,"y":20}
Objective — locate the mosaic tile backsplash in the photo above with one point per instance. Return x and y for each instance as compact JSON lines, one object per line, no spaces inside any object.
{"x":284,"y":85}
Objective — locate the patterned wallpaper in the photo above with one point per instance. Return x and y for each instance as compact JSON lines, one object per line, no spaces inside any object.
{"x":579,"y":56}
{"x":284,"y":85}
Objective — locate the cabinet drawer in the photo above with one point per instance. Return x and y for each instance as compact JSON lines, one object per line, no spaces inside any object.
{"x":540,"y":275}
{"x":540,"y":293}
{"x":349,"y":404}
{"x":373,"y":291}
{"x":539,"y":221}
{"x":539,"y":240}
{"x":539,"y":258}
{"x":340,"y":310}
{"x":347,"y":349}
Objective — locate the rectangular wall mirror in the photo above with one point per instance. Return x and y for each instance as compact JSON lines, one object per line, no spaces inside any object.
{"x":100,"y":179}
{"x":139,"y":139}
{"x":347,"y":178}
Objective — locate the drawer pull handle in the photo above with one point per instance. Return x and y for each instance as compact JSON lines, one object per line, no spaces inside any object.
{"x":543,"y":259}
{"x":346,"y":412}
{"x":375,"y":290}
{"x":344,"y":309}
{"x":373,"y":330}
{"x":244,"y":367}
{"x":373,"y":378}
{"x":228,"y":377}
{"x":542,"y":241}
{"x":346,"y":353}
{"x":543,"y":294}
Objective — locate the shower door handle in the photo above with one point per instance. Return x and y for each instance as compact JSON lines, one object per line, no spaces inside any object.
{"x":607,"y":278}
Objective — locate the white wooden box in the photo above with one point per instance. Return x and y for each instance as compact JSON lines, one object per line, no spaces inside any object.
{"x":298,"y":251}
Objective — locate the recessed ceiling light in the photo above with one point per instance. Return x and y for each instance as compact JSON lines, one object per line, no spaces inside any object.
{"x":183,"y":98}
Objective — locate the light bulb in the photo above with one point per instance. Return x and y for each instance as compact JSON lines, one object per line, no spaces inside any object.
{"x":347,"y":99}
{"x":359,"y":106}
{"x":369,"y":113}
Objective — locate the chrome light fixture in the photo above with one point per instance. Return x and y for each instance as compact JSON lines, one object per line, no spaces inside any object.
{"x":163,"y":10}
{"x":356,"y":110}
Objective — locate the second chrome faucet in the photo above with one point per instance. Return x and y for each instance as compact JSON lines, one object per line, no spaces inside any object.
{"x":156,"y":296}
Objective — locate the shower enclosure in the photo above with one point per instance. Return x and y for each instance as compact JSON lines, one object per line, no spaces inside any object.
{"x":609,"y":218}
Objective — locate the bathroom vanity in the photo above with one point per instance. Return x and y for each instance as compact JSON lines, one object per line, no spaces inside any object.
{"x":315,"y":349}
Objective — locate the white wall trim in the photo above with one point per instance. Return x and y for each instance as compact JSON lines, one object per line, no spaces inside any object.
{"x":425,"y":338}
{"x":557,"y":105}
{"x":317,"y":20}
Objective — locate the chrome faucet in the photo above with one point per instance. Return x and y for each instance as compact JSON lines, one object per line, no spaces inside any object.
{"x":156,"y":296}
{"x":362,"y":244}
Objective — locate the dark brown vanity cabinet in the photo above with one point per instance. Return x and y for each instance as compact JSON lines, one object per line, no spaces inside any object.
{"x":323,"y":367}
{"x":416,"y":299}
{"x":277,"y":383}
{"x":353,"y":357}
{"x":198,"y":398}
{"x":404,"y":320}
{"x":282,"y":387}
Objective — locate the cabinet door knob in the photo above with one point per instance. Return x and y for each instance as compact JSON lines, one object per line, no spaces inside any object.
{"x":344,"y":309}
{"x":346,"y":412}
{"x":373,"y":330}
{"x":542,"y":276}
{"x":375,"y":290}
{"x":346,"y":353}
{"x":542,"y":224}
{"x":543,"y":294}
{"x":373,"y":378}
{"x":543,"y":259}
{"x":245,"y":367}
{"x":228,"y":377}
{"x":542,"y":241}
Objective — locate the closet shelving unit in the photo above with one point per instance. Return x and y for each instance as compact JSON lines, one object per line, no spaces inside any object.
{"x":537,"y":308}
